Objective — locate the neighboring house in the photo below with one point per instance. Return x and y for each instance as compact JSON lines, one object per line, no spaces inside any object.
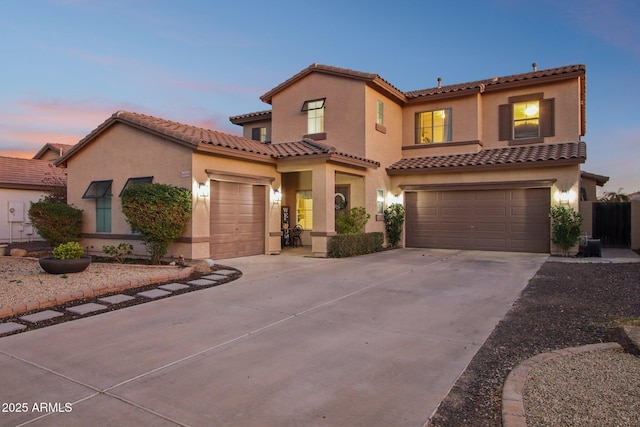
{"x":477,"y":165}
{"x":23,"y":181}
{"x":51,"y":152}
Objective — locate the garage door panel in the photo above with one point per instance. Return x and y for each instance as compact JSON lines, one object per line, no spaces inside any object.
{"x":237,"y":224}
{"x":505,"y":220}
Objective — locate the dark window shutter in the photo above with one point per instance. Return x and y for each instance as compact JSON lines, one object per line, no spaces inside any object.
{"x":255,"y":134}
{"x":505,"y":122}
{"x":547,"y":117}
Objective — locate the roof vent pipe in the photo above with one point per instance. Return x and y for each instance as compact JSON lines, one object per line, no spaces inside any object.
{"x":439,"y":82}
{"x":535,"y":66}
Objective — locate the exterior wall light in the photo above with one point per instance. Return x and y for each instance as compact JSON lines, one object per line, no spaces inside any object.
{"x":203,"y":190}
{"x":277,"y":196}
{"x":565,"y":197}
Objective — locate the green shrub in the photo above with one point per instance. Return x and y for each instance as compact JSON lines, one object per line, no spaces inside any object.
{"x":348,"y":245}
{"x":56,"y":222}
{"x":118,"y":253}
{"x":565,"y":227}
{"x":69,"y":250}
{"x":393,"y":222}
{"x":159,"y":212}
{"x":352,"y":221}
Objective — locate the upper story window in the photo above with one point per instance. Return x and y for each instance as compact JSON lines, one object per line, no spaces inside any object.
{"x":315,"y":115}
{"x":527,"y":118}
{"x":380,"y":117}
{"x":259,"y":134}
{"x":379,"y":113}
{"x":433,"y":126}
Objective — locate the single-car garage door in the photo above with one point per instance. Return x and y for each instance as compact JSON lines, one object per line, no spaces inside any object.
{"x":237,"y":219}
{"x":514,"y":220}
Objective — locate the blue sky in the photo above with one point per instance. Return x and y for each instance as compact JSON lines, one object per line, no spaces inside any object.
{"x":67,"y":65}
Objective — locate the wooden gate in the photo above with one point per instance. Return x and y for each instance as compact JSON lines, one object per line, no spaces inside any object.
{"x":612,"y":224}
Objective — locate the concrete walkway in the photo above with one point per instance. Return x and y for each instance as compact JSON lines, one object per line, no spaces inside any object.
{"x":376,"y":340}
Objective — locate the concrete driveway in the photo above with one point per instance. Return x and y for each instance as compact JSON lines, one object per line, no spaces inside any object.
{"x":376,"y":340}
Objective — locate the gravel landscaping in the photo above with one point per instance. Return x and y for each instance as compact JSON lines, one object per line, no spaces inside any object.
{"x":565,"y":305}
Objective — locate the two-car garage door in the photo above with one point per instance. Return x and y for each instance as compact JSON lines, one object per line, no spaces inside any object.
{"x":498,"y":220}
{"x":237,"y":224}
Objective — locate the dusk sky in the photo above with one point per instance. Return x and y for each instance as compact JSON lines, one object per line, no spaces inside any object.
{"x":67,"y":65}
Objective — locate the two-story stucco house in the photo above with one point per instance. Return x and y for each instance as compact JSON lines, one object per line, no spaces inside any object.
{"x":477,"y":165}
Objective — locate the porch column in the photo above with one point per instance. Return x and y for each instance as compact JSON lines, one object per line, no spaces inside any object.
{"x":323,"y":189}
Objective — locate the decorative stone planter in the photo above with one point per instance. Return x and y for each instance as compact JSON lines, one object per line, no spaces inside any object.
{"x":63,"y":266}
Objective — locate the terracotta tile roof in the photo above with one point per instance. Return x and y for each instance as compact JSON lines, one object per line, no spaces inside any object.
{"x":499,"y":82}
{"x":250,"y":117}
{"x":60,"y":149}
{"x":199,"y":138}
{"x":370,"y":78}
{"x":309,"y":147}
{"x":191,"y":136}
{"x":28,"y":173}
{"x":524,"y":155}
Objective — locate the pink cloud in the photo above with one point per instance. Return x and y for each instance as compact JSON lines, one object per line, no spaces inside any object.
{"x":27,"y":124}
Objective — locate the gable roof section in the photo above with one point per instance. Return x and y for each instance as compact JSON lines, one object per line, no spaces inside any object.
{"x":373,"y":80}
{"x":59,"y":149}
{"x":211,"y":141}
{"x":29,"y":174}
{"x":520,"y":156}
{"x":309,"y":147}
{"x":192,"y":137}
{"x":250,"y":117}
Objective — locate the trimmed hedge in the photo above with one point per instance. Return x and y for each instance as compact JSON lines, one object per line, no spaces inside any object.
{"x":56,"y":223}
{"x":347,"y":245}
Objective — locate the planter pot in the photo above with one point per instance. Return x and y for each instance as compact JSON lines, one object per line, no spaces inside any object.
{"x":64,"y":266}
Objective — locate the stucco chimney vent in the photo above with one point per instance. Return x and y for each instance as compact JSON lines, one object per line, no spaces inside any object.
{"x":535,"y":66}
{"x":439,"y":82}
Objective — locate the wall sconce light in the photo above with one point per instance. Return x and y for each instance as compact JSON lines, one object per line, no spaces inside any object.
{"x":277,"y":196}
{"x":565,"y":197}
{"x":203,"y":191}
{"x":395,"y":198}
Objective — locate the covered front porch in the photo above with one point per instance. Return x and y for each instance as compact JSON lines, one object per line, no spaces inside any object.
{"x":311,"y":197}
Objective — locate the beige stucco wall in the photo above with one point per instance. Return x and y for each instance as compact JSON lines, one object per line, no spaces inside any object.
{"x":475,"y":117}
{"x":567,"y":110}
{"x":234,"y":170}
{"x":344,"y":111}
{"x":247,"y":129}
{"x":464,"y":126}
{"x":121,"y":152}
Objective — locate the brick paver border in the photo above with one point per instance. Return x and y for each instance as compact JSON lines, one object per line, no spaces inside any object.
{"x":512,"y":405}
